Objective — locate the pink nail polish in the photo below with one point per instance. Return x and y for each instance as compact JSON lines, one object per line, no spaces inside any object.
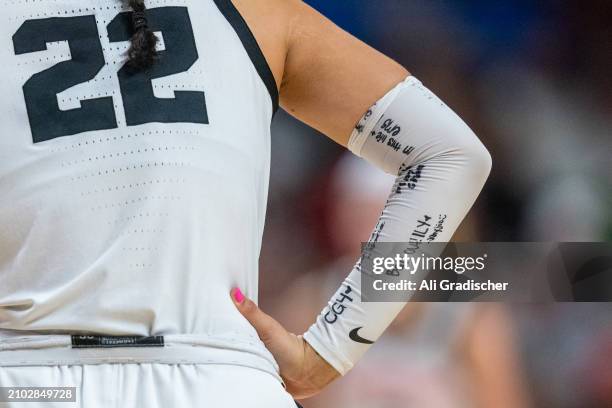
{"x":238,"y":295}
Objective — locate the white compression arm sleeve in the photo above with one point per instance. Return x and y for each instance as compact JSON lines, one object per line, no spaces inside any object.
{"x":441,"y":167}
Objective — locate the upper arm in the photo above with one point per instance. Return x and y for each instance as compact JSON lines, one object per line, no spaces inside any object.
{"x":326,"y":77}
{"x":331,"y":78}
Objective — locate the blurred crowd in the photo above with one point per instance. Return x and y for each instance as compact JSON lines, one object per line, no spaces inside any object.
{"x":533,"y":81}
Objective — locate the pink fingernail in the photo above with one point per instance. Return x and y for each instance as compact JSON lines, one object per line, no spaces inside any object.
{"x":238,"y":295}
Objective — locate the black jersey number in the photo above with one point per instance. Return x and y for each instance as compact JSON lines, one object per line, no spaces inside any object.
{"x":140,"y":105}
{"x":48,"y":122}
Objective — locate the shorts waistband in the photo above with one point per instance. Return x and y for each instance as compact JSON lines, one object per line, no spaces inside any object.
{"x":54,"y":350}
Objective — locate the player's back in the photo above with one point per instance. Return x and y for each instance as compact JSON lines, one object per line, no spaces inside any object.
{"x":130,"y":202}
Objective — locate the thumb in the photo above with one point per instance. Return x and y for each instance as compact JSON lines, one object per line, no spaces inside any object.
{"x":269,"y":330}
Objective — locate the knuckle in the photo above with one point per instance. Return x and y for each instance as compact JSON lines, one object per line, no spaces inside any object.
{"x":249,"y":307}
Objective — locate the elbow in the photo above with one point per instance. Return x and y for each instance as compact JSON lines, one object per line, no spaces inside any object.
{"x":473,"y":158}
{"x":479,"y":161}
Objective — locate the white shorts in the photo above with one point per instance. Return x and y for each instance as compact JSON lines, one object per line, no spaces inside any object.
{"x":138,"y":377}
{"x":152,"y":386}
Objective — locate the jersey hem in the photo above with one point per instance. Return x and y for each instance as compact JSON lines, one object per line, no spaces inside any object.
{"x":52,"y":350}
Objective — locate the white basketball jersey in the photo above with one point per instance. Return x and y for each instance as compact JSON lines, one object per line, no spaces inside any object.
{"x":130,"y":203}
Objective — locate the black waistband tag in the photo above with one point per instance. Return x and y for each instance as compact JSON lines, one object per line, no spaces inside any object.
{"x":116,"y":341}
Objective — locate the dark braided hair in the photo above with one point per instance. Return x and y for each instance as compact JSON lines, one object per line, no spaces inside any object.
{"x":142,"y":52}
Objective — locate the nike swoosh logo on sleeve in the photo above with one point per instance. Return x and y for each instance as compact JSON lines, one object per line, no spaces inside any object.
{"x":354,"y":335}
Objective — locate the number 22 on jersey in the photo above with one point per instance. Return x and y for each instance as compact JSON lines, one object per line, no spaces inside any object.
{"x":141,"y":106}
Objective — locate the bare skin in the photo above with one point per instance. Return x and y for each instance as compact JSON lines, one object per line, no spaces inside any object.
{"x":304,"y":372}
{"x":327,"y":79}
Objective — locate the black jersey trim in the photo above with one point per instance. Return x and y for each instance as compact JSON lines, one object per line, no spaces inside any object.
{"x":233,"y":16}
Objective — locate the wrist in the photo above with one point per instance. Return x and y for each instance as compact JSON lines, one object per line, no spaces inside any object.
{"x":315,"y":375}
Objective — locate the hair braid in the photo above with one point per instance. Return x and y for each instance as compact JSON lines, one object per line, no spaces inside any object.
{"x":142,"y":52}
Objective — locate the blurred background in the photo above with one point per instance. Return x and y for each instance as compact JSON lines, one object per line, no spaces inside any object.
{"x":533,"y":79}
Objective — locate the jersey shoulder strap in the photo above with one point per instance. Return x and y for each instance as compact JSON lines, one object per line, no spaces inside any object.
{"x":233,"y":16}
